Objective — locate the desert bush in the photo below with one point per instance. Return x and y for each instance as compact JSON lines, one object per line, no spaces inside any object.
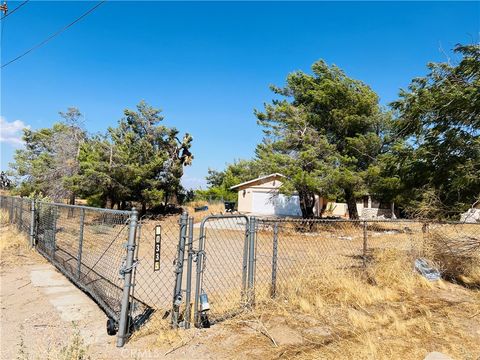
{"x":456,"y":253}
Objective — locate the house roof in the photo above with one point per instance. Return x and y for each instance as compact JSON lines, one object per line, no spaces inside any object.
{"x":266,"y":177}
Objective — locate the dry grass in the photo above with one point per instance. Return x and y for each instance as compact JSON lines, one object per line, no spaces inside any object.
{"x":74,"y":348}
{"x":160,"y":331}
{"x":387,"y":312}
{"x":391,"y":312}
{"x":213,"y":209}
{"x":13,"y":244}
{"x":457,"y":254}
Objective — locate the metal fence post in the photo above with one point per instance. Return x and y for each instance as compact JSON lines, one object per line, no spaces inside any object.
{"x":54,"y":231}
{"x":125,"y":306}
{"x":245,"y":262}
{"x":80,"y":243}
{"x":425,"y":235}
{"x":177,"y":292}
{"x":251,"y":262}
{"x":11,"y":210}
{"x":273,"y":290}
{"x":189,"y":274}
{"x":32,"y":223}
{"x":20,"y":215}
{"x":365,"y":239}
{"x":198,"y":279}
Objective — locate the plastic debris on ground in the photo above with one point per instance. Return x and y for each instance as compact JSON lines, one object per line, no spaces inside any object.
{"x":432,"y":274}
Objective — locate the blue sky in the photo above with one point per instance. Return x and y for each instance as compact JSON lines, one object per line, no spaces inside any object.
{"x":209,"y":65}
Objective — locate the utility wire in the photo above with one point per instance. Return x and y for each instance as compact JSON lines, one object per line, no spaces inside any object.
{"x":11,"y":12}
{"x":54,"y":34}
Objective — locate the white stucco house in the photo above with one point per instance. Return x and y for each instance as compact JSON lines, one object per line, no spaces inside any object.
{"x":262,"y":196}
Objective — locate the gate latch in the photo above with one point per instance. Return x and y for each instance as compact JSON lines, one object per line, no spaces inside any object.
{"x":124,"y":269}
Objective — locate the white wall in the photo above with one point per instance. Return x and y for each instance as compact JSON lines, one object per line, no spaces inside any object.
{"x":287,"y":205}
{"x":269,"y":203}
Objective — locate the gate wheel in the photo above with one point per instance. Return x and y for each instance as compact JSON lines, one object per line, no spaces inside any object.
{"x":111,"y":327}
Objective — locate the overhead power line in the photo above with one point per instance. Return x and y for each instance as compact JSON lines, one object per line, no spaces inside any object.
{"x":11,"y":12}
{"x":55,"y":34}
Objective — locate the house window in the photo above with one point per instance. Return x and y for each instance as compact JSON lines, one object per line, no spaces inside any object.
{"x":244,"y":192}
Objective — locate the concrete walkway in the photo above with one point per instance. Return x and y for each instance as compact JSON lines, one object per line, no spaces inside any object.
{"x":41,"y":310}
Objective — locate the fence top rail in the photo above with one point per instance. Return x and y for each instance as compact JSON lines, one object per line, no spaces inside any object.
{"x":218,"y":217}
{"x":91,"y":208}
{"x":310,"y":220}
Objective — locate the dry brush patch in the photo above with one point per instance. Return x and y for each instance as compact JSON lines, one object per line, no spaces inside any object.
{"x":73,"y":348}
{"x":213,"y":209}
{"x":389,"y":312}
{"x":13,"y":244}
{"x":455,"y":249}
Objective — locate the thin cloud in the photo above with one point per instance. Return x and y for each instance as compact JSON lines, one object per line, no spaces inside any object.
{"x":193,"y":183}
{"x":11,"y":131}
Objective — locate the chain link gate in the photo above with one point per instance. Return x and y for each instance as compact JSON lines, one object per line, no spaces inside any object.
{"x":210,"y":266}
{"x":158,"y":279}
{"x":224,"y":267}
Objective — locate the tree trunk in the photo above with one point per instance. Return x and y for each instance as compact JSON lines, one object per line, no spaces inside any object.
{"x":71,"y":202}
{"x":351,"y":204}
{"x":307,"y":203}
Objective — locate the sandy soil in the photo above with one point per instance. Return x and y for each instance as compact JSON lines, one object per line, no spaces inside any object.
{"x":41,"y":311}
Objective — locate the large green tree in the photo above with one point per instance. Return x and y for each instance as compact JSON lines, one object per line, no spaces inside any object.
{"x":50,"y":158}
{"x":219,"y":182}
{"x":347,"y":121}
{"x":438,"y":119}
{"x":139,"y":160}
{"x":102,"y":178}
{"x":298,"y":151}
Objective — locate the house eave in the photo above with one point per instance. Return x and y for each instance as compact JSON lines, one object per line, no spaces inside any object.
{"x":256,"y":180}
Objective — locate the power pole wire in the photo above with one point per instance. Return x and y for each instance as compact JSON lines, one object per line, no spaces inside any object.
{"x":11,"y":12}
{"x":54,"y":34}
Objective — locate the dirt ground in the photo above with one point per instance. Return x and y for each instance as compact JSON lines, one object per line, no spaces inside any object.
{"x":44,"y":316}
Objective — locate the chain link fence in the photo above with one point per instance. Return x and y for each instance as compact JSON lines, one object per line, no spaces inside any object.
{"x":281,"y":252}
{"x":85,"y":244}
{"x":170,"y":271}
{"x":157,"y":269}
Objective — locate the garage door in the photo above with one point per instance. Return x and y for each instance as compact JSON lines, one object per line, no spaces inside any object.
{"x":266,"y":204}
{"x":263,"y":203}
